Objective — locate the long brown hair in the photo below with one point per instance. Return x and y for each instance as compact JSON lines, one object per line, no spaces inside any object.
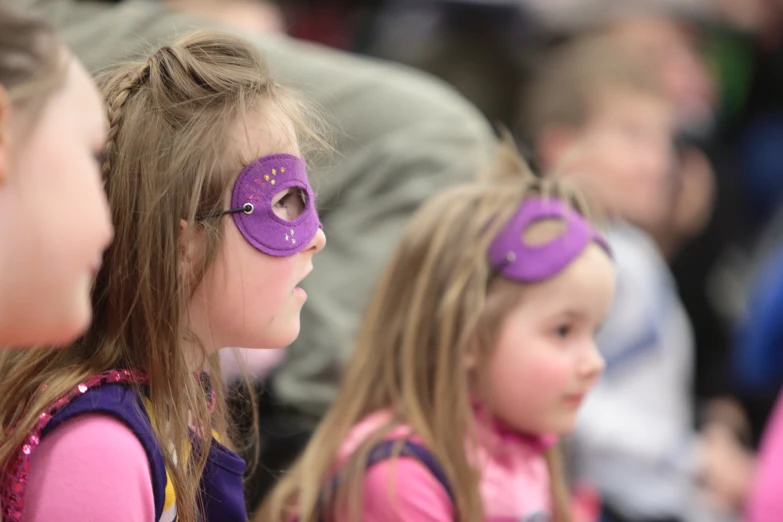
{"x":32,"y":64}
{"x":172,"y":118}
{"x":429,"y":310}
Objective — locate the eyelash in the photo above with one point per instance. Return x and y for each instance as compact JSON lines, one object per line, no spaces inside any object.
{"x":283,"y":200}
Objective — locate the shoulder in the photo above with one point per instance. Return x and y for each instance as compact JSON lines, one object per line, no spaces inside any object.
{"x":112,"y":400}
{"x":366,"y":427}
{"x":639,"y":265}
{"x":404,"y":489}
{"x":85,"y":469}
{"x":102,"y":439}
{"x":631,"y":243}
{"x":397,"y":489}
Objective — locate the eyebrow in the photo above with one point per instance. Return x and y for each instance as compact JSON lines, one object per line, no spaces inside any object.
{"x":573,"y":314}
{"x":570,"y":313}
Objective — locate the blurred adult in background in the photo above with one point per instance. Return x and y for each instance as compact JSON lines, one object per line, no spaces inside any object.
{"x":400,"y":137}
{"x":693,"y":237}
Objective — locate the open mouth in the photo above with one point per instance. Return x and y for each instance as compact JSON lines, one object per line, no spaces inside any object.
{"x":298,"y":289}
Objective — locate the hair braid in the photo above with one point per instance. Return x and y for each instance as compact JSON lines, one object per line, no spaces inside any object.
{"x":115,"y":104}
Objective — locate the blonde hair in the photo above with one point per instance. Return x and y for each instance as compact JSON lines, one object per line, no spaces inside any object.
{"x":172,"y":119}
{"x":31,"y":60}
{"x":429,"y":310}
{"x":574,"y":76}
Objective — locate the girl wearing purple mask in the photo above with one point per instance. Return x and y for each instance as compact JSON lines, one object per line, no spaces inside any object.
{"x":54,"y":220}
{"x":215,"y":229}
{"x":474,"y":356}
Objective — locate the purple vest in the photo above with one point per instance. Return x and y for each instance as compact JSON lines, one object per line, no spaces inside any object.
{"x":221,"y":484}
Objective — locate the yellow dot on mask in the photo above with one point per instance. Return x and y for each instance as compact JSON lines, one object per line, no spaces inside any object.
{"x":273,"y":182}
{"x":274,"y":172}
{"x":266,"y":177}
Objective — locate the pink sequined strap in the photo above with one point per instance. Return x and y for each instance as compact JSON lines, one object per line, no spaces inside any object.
{"x":13,"y":478}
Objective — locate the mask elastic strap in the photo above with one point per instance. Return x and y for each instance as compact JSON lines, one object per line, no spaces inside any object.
{"x":247,"y":208}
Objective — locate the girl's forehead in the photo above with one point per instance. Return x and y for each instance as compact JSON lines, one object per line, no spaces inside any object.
{"x":582,"y":287}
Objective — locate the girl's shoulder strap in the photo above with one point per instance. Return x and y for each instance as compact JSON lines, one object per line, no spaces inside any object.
{"x":387,"y":449}
{"x":107,"y":394}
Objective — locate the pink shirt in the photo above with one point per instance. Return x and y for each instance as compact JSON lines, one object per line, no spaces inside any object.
{"x":766,"y":502}
{"x":514,"y":479}
{"x":90,"y":469}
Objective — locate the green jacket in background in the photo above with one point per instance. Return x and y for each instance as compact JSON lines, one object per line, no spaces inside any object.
{"x":401,"y":136}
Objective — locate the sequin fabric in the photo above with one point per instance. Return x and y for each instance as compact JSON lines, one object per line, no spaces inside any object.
{"x":14,"y":476}
{"x":13,"y":479}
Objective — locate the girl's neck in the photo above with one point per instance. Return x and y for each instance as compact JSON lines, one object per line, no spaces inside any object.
{"x":488,"y":425}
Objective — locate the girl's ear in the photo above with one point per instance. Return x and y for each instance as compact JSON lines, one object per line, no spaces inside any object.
{"x":470,"y":358}
{"x":190,"y":250}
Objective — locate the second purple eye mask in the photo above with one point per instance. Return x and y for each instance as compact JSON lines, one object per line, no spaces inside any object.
{"x":257,"y":185}
{"x":518,"y":261}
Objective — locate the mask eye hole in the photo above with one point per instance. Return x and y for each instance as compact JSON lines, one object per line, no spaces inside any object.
{"x":543,"y":231}
{"x":289,"y":203}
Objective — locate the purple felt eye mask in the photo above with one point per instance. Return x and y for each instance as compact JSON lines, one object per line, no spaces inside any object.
{"x":518,"y":261}
{"x":257,"y":186}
